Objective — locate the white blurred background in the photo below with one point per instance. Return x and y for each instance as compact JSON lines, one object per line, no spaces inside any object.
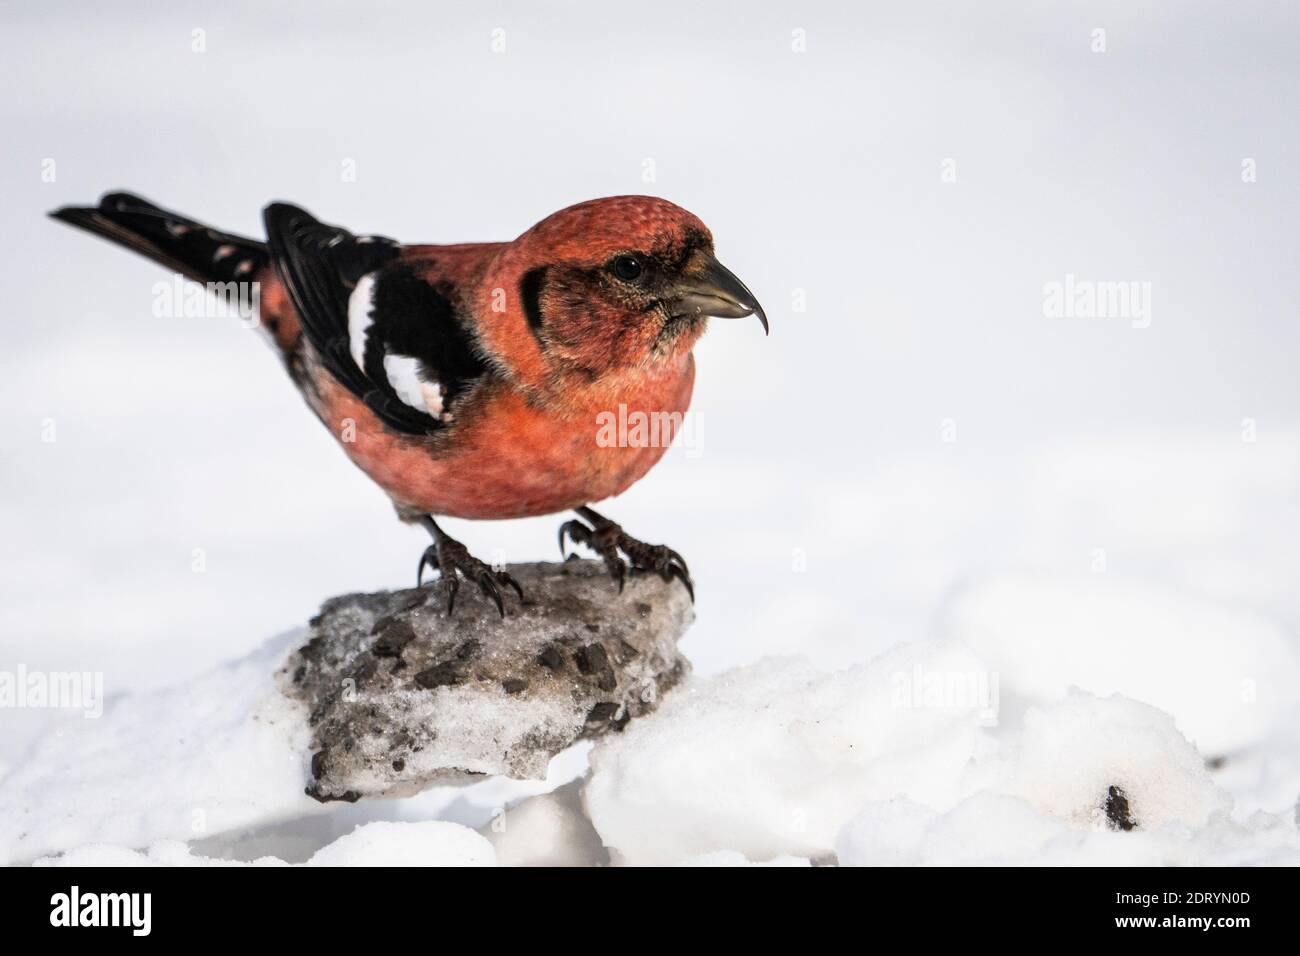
{"x":919,"y":425}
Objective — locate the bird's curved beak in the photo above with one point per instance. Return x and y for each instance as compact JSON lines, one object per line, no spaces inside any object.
{"x":714,"y":290}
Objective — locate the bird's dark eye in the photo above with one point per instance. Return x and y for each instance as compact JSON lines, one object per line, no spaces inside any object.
{"x":626,"y":268}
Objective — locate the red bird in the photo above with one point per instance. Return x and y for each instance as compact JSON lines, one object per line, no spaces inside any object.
{"x":467,"y":380}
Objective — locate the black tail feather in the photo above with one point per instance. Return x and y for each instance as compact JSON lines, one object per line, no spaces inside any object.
{"x":172,"y":240}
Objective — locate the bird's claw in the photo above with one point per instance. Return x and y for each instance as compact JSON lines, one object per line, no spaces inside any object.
{"x":608,"y":539}
{"x":454,"y":561}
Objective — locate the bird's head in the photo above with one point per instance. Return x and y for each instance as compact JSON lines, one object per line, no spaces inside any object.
{"x":619,"y":283}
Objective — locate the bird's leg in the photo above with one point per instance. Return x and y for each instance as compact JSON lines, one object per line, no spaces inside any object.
{"x":453,"y":559}
{"x":607,"y":539}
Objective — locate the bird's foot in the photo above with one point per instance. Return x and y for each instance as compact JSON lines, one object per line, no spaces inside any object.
{"x":453,"y":560}
{"x":611,"y":542}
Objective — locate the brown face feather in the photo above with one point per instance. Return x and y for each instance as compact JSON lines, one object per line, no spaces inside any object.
{"x":596,"y":321}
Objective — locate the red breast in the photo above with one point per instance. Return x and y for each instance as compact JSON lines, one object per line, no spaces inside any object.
{"x":510,"y":459}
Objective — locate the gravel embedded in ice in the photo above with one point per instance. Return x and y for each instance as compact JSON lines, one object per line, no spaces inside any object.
{"x":401,"y":696}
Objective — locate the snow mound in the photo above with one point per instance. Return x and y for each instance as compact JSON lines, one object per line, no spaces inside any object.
{"x":1071,"y":754}
{"x":772,"y":759}
{"x":425,"y":843}
{"x":894,"y":763}
{"x":1086,"y":781}
{"x":1227,"y":676}
{"x":223,"y":752}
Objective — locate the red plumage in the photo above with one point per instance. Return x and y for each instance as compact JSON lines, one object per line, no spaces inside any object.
{"x":470,"y":380}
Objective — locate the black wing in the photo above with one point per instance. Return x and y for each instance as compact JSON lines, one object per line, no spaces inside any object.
{"x":320,"y":266}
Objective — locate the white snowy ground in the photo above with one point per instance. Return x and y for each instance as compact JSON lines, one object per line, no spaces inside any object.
{"x":1099,"y":521}
{"x":990,"y":732}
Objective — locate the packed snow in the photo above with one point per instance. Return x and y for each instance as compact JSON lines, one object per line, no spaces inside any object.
{"x":550,"y":829}
{"x":1229,"y":676}
{"x":773,"y":758}
{"x":847,"y":767}
{"x":427,"y":843}
{"x":909,"y":758}
{"x":224,"y":752}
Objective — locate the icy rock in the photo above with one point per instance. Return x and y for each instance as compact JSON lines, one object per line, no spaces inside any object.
{"x":401,"y":696}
